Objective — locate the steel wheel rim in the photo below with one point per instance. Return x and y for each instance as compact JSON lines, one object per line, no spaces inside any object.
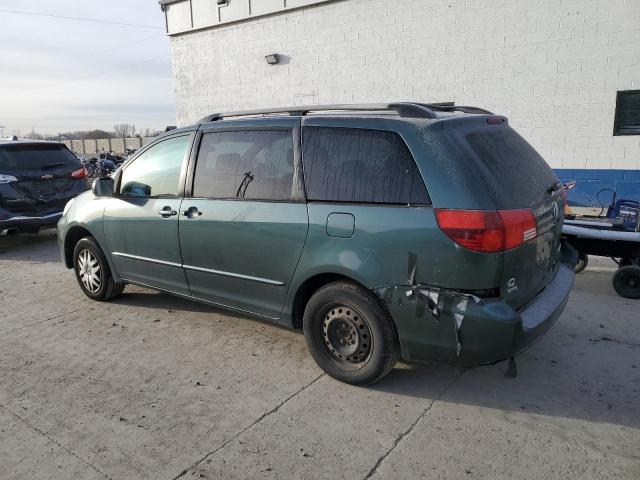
{"x":89,"y":271}
{"x":346,"y":336}
{"x":630,"y":279}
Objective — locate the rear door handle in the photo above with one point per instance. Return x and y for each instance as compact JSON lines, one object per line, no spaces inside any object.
{"x":167,"y":212}
{"x":192,"y":212}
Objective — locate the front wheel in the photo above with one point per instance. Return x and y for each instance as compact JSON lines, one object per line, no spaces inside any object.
{"x":583,"y":261}
{"x":93,"y":273}
{"x":349,"y":335}
{"x":626,"y":281}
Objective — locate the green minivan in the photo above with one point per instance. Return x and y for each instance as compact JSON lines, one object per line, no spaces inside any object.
{"x":427,"y":232}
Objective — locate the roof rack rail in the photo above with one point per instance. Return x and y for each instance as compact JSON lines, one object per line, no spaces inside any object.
{"x":404,"y":109}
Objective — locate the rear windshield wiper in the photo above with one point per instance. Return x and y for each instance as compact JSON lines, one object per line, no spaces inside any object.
{"x":553,"y":187}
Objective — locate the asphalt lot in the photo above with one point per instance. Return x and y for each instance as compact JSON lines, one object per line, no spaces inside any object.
{"x":152,"y":386}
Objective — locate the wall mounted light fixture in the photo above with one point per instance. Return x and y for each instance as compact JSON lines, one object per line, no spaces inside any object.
{"x":272,"y":59}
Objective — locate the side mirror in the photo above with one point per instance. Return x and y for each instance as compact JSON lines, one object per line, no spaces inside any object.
{"x":102,"y":187}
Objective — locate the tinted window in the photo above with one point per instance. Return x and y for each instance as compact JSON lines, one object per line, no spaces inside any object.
{"x":36,"y":157}
{"x":252,"y":164}
{"x":627,"y":121}
{"x":354,"y":165}
{"x":156,"y":171}
{"x":509,"y":168}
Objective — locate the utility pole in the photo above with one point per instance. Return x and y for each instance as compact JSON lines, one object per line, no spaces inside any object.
{"x":2,"y":127}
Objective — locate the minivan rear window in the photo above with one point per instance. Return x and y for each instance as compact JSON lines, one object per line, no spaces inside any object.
{"x":358,"y":165}
{"x":31,"y":157}
{"x":510,"y":168}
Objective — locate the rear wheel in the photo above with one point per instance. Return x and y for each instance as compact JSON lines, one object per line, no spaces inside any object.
{"x":93,"y":273}
{"x":583,"y":261}
{"x":626,"y":281}
{"x":625,"y":261}
{"x":349,"y":335}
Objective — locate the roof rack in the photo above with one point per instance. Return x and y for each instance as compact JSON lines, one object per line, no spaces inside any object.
{"x":442,"y":107}
{"x":404,"y":109}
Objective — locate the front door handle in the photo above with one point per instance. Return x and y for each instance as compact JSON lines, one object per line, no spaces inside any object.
{"x":192,"y":212}
{"x":167,"y":212}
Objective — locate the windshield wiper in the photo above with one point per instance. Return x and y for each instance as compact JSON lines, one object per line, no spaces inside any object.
{"x":242,"y":189}
{"x":554,"y":187}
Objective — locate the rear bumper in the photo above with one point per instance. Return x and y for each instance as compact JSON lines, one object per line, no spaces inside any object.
{"x":445,"y":326}
{"x":25,"y":223}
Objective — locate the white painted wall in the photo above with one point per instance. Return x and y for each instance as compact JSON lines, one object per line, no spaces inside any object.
{"x":552,"y":66}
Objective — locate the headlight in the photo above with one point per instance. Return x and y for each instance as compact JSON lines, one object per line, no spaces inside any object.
{"x":7,"y":178}
{"x":67,"y":206}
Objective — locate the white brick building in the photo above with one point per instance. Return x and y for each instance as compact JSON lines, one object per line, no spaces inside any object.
{"x":554,"y":67}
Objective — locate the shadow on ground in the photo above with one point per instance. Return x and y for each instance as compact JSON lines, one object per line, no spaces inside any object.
{"x":30,"y":247}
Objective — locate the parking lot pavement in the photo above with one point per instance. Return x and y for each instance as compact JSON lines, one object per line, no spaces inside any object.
{"x":154,"y":386}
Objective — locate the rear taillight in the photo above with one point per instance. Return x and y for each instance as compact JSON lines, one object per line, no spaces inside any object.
{"x":488,"y":231}
{"x":80,"y":173}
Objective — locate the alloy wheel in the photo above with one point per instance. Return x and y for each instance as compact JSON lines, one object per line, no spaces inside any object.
{"x":89,"y":271}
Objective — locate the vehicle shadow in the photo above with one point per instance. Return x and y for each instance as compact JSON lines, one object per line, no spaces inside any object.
{"x":565,"y":375}
{"x":595,"y":381}
{"x":30,"y":247}
{"x":148,"y":298}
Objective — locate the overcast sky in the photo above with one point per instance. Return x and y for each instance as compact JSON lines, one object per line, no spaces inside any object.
{"x":59,"y":75}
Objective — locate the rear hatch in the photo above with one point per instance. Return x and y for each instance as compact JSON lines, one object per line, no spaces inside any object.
{"x":495,"y":195}
{"x":46,"y":176}
{"x":518,"y":178}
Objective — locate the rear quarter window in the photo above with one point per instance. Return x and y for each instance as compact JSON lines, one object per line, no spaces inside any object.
{"x":35,"y":157}
{"x":358,"y":165}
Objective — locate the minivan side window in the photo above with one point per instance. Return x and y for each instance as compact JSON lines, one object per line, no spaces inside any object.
{"x":359,"y":165}
{"x":156,"y":172}
{"x":247,"y":164}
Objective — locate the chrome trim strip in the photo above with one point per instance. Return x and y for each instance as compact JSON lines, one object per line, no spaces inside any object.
{"x":234,"y":275}
{"x":145,"y":259}
{"x":191,"y":297}
{"x":200,"y":269}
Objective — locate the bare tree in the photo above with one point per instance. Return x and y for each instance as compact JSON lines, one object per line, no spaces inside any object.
{"x":150,"y":132}
{"x":123,"y":130}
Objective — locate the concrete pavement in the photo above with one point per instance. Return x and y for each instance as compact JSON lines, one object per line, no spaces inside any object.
{"x":153,"y":386}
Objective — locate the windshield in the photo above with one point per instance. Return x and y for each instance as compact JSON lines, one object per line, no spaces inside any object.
{"x":36,"y":157}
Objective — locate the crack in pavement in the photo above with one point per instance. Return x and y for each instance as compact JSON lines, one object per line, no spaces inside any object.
{"x":404,"y":434}
{"x":53,"y":440}
{"x":258,"y":420}
{"x":39,"y":322}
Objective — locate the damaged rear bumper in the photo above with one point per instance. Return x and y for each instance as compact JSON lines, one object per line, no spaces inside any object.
{"x":447,"y":326}
{"x":24,"y":223}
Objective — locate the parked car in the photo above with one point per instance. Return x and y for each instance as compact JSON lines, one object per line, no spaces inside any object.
{"x":37,"y":179}
{"x":413,"y":231}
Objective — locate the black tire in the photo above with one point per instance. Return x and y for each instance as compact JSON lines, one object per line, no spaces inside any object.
{"x":349,"y":334}
{"x":626,"y":281}
{"x":104,"y":287}
{"x":583,"y":261}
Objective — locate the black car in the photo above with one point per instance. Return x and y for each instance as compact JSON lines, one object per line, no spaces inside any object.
{"x":37,"y":179}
